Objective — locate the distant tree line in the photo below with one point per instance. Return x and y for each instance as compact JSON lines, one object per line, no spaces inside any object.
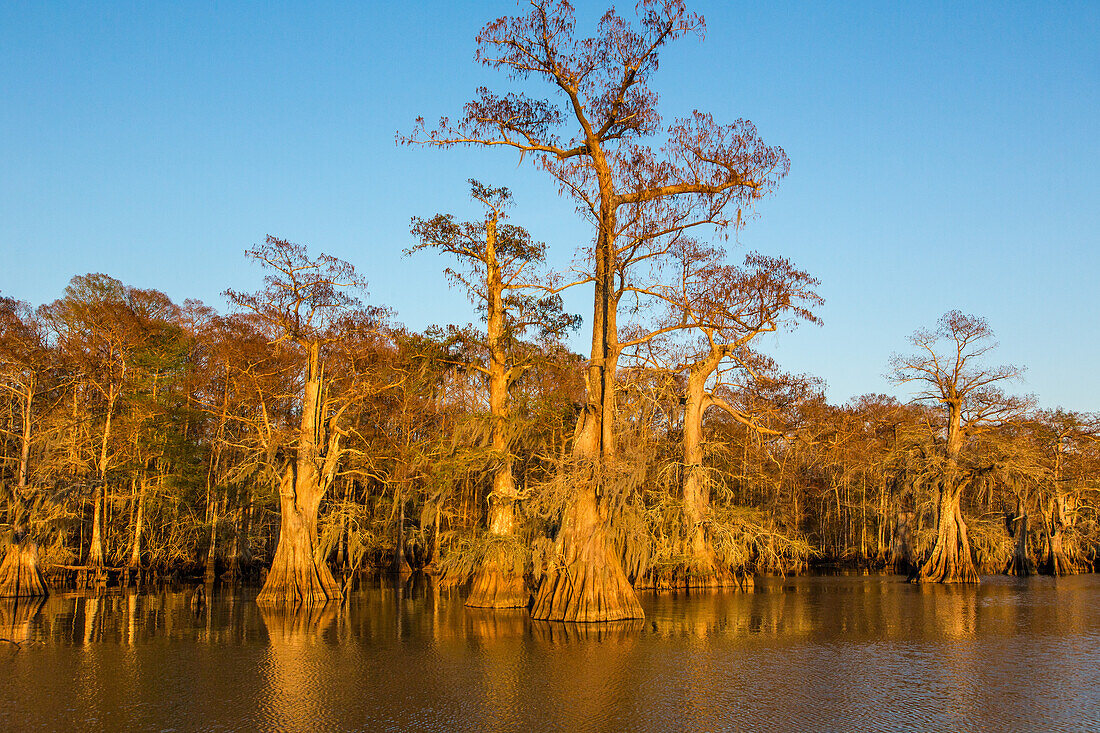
{"x":144,"y":434}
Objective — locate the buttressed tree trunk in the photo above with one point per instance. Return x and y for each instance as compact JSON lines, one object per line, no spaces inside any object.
{"x":1020,"y":564}
{"x":1056,"y":562}
{"x":20,"y":574}
{"x":497,"y":584}
{"x":701,"y":571}
{"x":951,"y":561}
{"x":97,"y":556}
{"x":298,"y":575}
{"x":587,"y":581}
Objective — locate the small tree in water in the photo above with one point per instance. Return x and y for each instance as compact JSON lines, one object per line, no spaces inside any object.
{"x":305,"y":306}
{"x":948,"y":367}
{"x":722,"y":309}
{"x":496,"y":264}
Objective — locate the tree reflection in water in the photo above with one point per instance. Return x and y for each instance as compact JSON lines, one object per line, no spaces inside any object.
{"x":16,"y":617}
{"x":293,"y":690}
{"x":839,"y":652}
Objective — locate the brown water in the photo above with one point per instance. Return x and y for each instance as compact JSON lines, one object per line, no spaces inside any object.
{"x":824,"y":653}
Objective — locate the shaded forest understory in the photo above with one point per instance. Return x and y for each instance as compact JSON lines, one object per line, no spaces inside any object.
{"x":303,"y":437}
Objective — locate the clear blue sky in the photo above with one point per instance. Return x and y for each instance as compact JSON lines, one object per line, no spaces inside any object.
{"x":943,"y":156}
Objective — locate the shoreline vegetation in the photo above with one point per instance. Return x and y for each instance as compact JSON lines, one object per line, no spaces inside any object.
{"x":303,"y":438}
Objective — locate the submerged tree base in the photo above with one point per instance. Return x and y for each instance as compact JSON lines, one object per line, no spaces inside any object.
{"x":948,"y":567}
{"x":698,"y":577}
{"x":950,"y":561}
{"x":1020,"y":563}
{"x":298,"y":581}
{"x":493,"y":587}
{"x":715,"y":579}
{"x":20,"y":574}
{"x":586,"y":592}
{"x":586,"y":583}
{"x":1057,"y":564}
{"x":1021,"y":567}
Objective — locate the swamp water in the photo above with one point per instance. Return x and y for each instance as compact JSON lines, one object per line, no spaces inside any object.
{"x":815,"y":653}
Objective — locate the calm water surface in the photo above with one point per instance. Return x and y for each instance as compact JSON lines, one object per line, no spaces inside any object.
{"x":824,"y":653}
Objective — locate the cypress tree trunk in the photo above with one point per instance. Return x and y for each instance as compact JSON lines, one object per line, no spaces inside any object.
{"x":97,"y":556}
{"x":497,"y":584}
{"x":701,"y":570}
{"x":1056,"y":562}
{"x":20,"y":574}
{"x":950,"y":561}
{"x":587,"y":582}
{"x":211,"y":549}
{"x":1020,"y":564}
{"x":240,"y":555}
{"x":400,"y":564}
{"x":25,"y":438}
{"x":139,"y":523}
{"x":298,"y":575}
{"x":901,"y":546}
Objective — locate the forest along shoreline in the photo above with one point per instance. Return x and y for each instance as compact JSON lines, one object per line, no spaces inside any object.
{"x":303,"y":438}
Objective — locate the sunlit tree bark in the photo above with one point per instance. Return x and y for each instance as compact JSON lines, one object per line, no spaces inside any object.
{"x":498,"y":262}
{"x":592,"y":145}
{"x":302,"y":304}
{"x":1066,"y":437}
{"x":23,"y":356}
{"x":947,"y":366}
{"x":722,"y":309}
